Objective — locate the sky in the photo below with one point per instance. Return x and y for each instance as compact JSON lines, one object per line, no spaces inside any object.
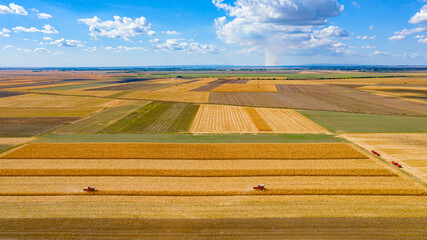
{"x":102,"y":33}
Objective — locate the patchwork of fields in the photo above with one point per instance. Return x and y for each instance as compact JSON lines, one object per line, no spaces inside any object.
{"x":162,"y":148}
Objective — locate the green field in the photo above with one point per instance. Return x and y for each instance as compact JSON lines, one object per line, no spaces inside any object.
{"x":102,"y":120}
{"x":366,"y":123}
{"x":156,"y":117}
{"x":190,"y":138}
{"x":4,"y":148}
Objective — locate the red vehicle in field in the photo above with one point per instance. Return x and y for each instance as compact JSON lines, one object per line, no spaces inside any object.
{"x":90,"y":189}
{"x":376,"y":153}
{"x":396,"y":164}
{"x":260,"y":187}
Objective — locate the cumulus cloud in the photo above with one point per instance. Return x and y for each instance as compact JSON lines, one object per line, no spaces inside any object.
{"x":43,"y":15}
{"x":7,"y":46}
{"x":47,"y":29}
{"x":400,"y":35}
{"x":186,"y":46}
{"x":41,"y":51}
{"x":13,"y":9}
{"x":277,"y":25}
{"x":66,"y":43}
{"x":119,"y":28}
{"x":420,"y":17}
{"x":422,"y":40}
{"x":380,"y":54}
{"x":4,"y":32}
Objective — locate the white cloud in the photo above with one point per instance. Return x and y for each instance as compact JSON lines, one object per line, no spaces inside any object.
{"x":369,"y":47}
{"x":171,"y":32}
{"x":47,"y":38}
{"x":123,"y":48}
{"x":13,"y":9}
{"x":4,"y":32}
{"x":186,"y":46}
{"x":366,"y":37}
{"x":7,"y":46}
{"x":423,"y":40}
{"x":277,"y":25}
{"x":400,"y":35}
{"x":119,"y":28}
{"x":154,"y":40}
{"x":371,"y":27}
{"x":66,"y":43}
{"x":330,"y":32}
{"x":41,"y":51}
{"x":92,"y":49}
{"x":420,"y":17}
{"x":47,"y":29}
{"x":43,"y":15}
{"x":380,"y":54}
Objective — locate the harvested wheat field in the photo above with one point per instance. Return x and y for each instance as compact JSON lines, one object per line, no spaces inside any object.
{"x":408,"y":149}
{"x":246,"y":88}
{"x":185,"y":151}
{"x":192,"y":168}
{"x":289,"y":121}
{"x":222,"y":119}
{"x":15,"y":141}
{"x":230,"y":119}
{"x":212,"y":186}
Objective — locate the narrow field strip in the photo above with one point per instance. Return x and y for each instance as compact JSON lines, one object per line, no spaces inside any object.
{"x":213,"y":186}
{"x":258,"y":120}
{"x":185,"y":151}
{"x":48,"y":112}
{"x":245,"y":88}
{"x":164,"y":121}
{"x":194,"y":173}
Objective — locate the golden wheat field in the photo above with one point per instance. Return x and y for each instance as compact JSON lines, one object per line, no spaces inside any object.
{"x":212,"y":186}
{"x":185,"y":151}
{"x":163,"y":95}
{"x":258,"y":120}
{"x":192,"y":168}
{"x":246,"y":88}
{"x":409,"y":149}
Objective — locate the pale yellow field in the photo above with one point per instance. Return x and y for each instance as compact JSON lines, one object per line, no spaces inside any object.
{"x":203,"y":151}
{"x":15,"y":141}
{"x":397,"y":80}
{"x":222,"y":119}
{"x":182,"y":87}
{"x":231,"y":119}
{"x":408,"y":149}
{"x":289,"y":121}
{"x":48,"y":112}
{"x":213,"y":207}
{"x":162,"y":95}
{"x":283,"y":82}
{"x":43,"y":101}
{"x":212,"y":186}
{"x":246,"y":88}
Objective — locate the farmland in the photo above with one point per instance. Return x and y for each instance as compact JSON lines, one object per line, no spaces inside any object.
{"x":181,"y":152}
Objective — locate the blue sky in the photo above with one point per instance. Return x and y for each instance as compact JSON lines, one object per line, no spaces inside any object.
{"x":46,"y":33}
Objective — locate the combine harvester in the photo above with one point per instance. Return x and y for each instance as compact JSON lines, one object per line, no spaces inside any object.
{"x":260,"y":187}
{"x":396,"y":164}
{"x":375,"y":153}
{"x":90,"y":189}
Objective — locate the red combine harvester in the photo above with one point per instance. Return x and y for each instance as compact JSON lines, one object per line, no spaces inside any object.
{"x":260,"y":187}
{"x":90,"y":189}
{"x":396,"y":164}
{"x":374,"y":152}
